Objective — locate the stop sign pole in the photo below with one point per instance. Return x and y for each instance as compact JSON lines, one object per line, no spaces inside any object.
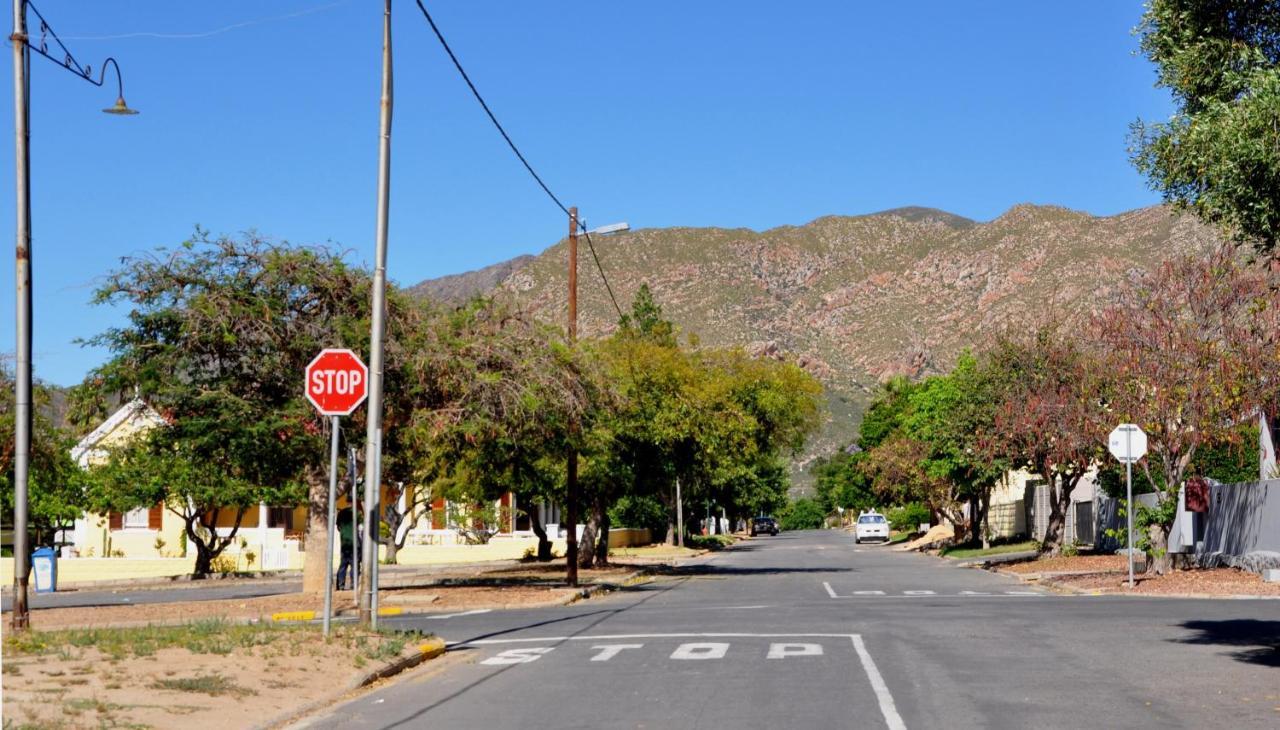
{"x":337,"y":382}
{"x":1128,"y":443}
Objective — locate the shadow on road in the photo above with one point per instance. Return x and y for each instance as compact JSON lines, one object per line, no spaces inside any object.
{"x":711,"y":569}
{"x":1258,"y":641}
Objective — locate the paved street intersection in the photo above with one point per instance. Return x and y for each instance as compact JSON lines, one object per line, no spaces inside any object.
{"x":806,"y":630}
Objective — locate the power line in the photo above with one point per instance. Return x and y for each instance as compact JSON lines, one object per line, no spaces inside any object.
{"x":498,"y":125}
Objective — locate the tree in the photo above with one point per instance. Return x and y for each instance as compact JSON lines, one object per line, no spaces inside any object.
{"x":949,"y":413}
{"x":191,"y":481}
{"x":841,"y":482}
{"x":1219,"y":155}
{"x":1194,"y":347}
{"x":55,"y":486}
{"x":1051,"y":418}
{"x":219,"y":333}
{"x":803,"y":514}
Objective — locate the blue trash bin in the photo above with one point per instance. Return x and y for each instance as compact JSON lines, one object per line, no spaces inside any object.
{"x":44,"y":565}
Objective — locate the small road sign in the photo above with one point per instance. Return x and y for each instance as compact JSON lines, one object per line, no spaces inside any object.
{"x":337,"y":381}
{"x":1128,"y":443}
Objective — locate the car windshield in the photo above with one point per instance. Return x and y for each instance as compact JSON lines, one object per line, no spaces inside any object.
{"x":871,"y":520}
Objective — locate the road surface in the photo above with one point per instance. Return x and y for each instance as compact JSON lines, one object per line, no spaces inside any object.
{"x":805,"y":630}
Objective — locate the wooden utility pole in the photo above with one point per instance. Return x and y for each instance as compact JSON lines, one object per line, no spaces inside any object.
{"x":571,"y":477}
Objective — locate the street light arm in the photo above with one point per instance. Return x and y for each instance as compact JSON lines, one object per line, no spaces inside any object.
{"x":69,"y":62}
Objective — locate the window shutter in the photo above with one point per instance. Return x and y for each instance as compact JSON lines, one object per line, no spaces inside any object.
{"x":437,"y":514}
{"x":115,"y":520}
{"x":155,"y":516}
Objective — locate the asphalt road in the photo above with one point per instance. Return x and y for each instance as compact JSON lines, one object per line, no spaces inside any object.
{"x":804,"y":630}
{"x":193,"y":591}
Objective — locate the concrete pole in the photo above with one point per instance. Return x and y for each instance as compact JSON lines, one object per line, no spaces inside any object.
{"x":355,"y":532}
{"x":19,"y":620}
{"x":379,"y":315}
{"x":571,"y":477}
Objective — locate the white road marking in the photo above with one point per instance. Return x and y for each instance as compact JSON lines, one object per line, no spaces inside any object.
{"x":1023,"y":593}
{"x":624,"y":637}
{"x":782,"y":651}
{"x":609,"y":651}
{"x":830,"y":591}
{"x":887,"y":707}
{"x":518,"y":656}
{"x":463,"y":613}
{"x":697,"y":650}
{"x":919,"y":593}
{"x":868,"y":593}
{"x":974,"y":593}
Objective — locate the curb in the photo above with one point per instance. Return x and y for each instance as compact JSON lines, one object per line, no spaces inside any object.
{"x":428,"y":650}
{"x":1052,"y":582}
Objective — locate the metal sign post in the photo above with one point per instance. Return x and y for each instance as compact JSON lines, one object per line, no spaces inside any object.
{"x":336,"y":383}
{"x":1128,"y":443}
{"x":333,"y":506}
{"x":355,"y":529}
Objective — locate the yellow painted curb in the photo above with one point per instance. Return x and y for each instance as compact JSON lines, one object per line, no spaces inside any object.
{"x":390,"y":611}
{"x":293,"y":616}
{"x":432,"y":649}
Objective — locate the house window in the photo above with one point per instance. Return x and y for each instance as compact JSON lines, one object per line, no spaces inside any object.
{"x":280,"y":517}
{"x":137,"y":518}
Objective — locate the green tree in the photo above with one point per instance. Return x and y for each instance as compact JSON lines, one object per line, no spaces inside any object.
{"x":219,"y":332}
{"x":1219,"y":155}
{"x":55,"y":485}
{"x":803,"y":514}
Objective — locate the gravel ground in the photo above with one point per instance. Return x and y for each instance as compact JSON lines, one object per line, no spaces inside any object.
{"x":1214,"y":582}
{"x":1099,"y":563}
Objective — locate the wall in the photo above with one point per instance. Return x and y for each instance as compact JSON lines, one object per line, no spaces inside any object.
{"x":1242,"y":518}
{"x":623,"y":537}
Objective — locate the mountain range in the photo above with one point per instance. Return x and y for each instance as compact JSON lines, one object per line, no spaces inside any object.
{"x":852,"y":299}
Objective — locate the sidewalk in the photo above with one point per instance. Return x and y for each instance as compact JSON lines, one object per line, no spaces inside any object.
{"x":85,"y":573}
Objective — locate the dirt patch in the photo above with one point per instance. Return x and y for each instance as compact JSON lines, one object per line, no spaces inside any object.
{"x":205,"y":675}
{"x":1210,"y":582}
{"x":1063,"y":564}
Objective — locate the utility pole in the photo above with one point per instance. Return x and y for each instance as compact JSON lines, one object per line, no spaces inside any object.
{"x":372,"y":479}
{"x":571,"y":477}
{"x":22,"y":268}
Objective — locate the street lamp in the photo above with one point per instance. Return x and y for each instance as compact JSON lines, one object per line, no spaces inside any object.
{"x":22,"y":270}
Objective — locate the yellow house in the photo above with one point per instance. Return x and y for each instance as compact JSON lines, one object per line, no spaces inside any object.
{"x":271,"y":534}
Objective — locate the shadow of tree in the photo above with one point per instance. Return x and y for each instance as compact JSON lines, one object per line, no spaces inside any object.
{"x":1258,"y":641}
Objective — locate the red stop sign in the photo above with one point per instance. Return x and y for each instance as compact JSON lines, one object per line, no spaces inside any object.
{"x":337,"y":382}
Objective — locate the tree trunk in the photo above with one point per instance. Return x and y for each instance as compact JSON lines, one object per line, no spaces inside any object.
{"x":984,"y":524}
{"x":544,"y":545}
{"x":587,"y":545}
{"x":669,"y":502}
{"x":1158,"y":560}
{"x":314,"y":565}
{"x":602,"y":539}
{"x":1059,"y":501}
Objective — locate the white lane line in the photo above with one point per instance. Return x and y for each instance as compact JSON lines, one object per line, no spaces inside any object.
{"x":464,"y":613}
{"x":830,"y":591}
{"x":611,"y":637}
{"x":887,"y":707}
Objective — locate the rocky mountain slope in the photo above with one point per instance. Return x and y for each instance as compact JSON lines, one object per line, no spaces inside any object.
{"x":857,"y":299}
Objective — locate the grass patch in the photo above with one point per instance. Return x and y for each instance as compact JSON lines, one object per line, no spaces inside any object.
{"x":971,"y":550}
{"x":212,"y":636}
{"x":213,"y":685}
{"x":899,"y":537}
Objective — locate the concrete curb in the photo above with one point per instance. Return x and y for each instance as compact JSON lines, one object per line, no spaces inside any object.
{"x":998,"y":558}
{"x":428,"y":650}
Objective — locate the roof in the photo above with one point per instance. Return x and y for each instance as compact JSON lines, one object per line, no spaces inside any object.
{"x":135,"y":410}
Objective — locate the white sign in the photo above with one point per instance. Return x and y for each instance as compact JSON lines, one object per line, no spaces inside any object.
{"x":1128,"y":443}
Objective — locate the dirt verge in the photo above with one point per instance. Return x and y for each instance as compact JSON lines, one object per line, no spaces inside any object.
{"x":204,"y":674}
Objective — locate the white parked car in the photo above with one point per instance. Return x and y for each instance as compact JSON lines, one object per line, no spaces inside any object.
{"x":871,"y":526}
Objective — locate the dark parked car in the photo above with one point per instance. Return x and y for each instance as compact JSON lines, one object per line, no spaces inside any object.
{"x":764,"y":524}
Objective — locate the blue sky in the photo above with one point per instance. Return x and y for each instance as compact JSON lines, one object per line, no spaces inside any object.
{"x":661,"y":113}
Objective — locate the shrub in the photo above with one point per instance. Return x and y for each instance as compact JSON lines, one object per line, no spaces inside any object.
{"x":641,"y":513}
{"x":803,"y":514}
{"x":908,"y":517}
